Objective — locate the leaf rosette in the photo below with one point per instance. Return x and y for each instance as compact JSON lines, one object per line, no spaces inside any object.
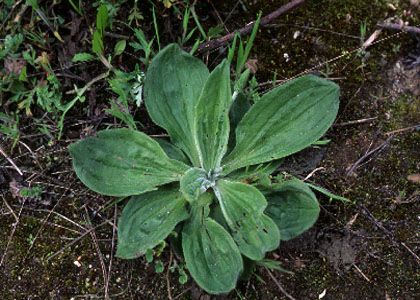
{"x":198,"y":182}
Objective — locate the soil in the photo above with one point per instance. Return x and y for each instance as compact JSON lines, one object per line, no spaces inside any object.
{"x":60,"y":244}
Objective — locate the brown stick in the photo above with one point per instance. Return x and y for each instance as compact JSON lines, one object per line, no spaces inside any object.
{"x":368,"y":154}
{"x":168,"y":282}
{"x":415,"y":127}
{"x":360,"y":121}
{"x":11,"y":162}
{"x":399,"y":27}
{"x":214,"y":44}
{"x":279,"y":285}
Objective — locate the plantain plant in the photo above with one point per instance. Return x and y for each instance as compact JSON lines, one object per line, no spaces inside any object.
{"x":200,"y":183}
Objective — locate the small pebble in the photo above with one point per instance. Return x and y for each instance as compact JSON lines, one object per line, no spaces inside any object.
{"x":77,"y":263}
{"x":391,"y":6}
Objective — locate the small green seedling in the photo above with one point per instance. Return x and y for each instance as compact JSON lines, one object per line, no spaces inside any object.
{"x":195,"y":184}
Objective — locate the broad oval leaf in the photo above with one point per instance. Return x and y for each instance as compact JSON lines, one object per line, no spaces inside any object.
{"x":211,"y":256}
{"x":147,"y":220}
{"x":173,"y":84}
{"x":194,"y":183}
{"x":123,"y":162}
{"x":293,"y":207}
{"x":242,"y":206}
{"x":284,"y":121}
{"x":212,"y":117}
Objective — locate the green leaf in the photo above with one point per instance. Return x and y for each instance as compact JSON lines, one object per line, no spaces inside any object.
{"x":123,"y":162}
{"x":33,"y":3}
{"x":183,"y":278}
{"x":250,"y":40}
{"x":242,"y":81}
{"x":119,"y":47}
{"x":102,"y":18}
{"x":194,"y":183}
{"x":255,"y":172}
{"x":82,"y":57}
{"x":159,"y":267}
{"x":243,"y":206}
{"x":321,"y":142}
{"x":23,"y":74}
{"x":293,"y":207}
{"x":11,"y":44}
{"x":327,"y":193}
{"x":232,"y":47}
{"x":121,"y":84}
{"x":211,"y":256}
{"x":149,"y":255}
{"x":121,"y":114}
{"x":237,"y":111}
{"x":215,"y":31}
{"x":172,"y":151}
{"x":212,"y":117}
{"x":173,"y":85}
{"x":97,"y":43}
{"x":147,"y":220}
{"x":273,"y":265}
{"x":284,"y":121}
{"x":98,"y":34}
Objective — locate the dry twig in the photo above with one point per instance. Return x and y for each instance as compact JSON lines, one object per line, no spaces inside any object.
{"x":38,"y":233}
{"x":313,"y":172}
{"x":217,"y":43}
{"x":354,"y":122}
{"x":279,"y":285}
{"x":76,"y":240}
{"x":361,"y":273}
{"x":387,"y":233}
{"x":12,"y":234}
{"x":373,"y":37}
{"x":10,"y":209}
{"x":168,"y":283}
{"x":367,"y":155}
{"x":11,"y":161}
{"x":399,"y":27}
{"x":411,"y":252}
{"x":98,"y":251}
{"x":112,"y":252}
{"x":415,"y":127}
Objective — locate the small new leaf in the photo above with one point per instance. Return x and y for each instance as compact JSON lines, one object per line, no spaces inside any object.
{"x":194,"y":183}
{"x":119,"y":47}
{"x":82,"y":57}
{"x":98,"y":35}
{"x":102,"y":18}
{"x":97,"y":43}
